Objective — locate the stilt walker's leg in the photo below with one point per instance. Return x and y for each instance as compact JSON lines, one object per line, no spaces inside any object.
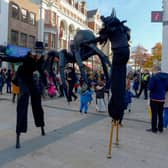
{"x":111,"y":140}
{"x":42,"y":131}
{"x":117,"y":132}
{"x":18,"y":140}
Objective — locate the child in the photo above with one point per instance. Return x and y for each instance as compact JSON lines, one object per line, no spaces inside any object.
{"x":128,"y":100}
{"x":136,"y":85}
{"x":85,"y":97}
{"x":165,"y":112}
{"x":128,"y":95}
{"x":15,"y":92}
{"x":100,"y":103}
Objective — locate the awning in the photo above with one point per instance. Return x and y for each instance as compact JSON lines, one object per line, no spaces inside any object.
{"x":16,"y":51}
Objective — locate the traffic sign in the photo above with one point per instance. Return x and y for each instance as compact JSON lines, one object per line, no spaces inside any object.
{"x":157,"y":16}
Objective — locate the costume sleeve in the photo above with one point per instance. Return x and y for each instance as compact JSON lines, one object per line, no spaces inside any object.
{"x":12,"y":59}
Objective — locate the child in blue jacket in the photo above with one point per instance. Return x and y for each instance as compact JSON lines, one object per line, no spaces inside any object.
{"x":85,"y":98}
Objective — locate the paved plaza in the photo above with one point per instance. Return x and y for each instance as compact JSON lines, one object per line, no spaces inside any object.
{"x":80,"y":141}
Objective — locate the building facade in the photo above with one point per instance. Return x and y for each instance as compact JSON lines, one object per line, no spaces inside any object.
{"x":23,"y":23}
{"x":55,"y":22}
{"x":3,"y":25}
{"x":3,"y":22}
{"x":61,"y":20}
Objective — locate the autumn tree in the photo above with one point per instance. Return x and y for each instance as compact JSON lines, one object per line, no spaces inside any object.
{"x":139,"y":56}
{"x":157,"y":52}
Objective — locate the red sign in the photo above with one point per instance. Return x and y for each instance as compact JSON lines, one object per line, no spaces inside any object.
{"x":156,"y":16}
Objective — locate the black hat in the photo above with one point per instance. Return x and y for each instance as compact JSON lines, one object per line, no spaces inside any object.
{"x":38,"y":48}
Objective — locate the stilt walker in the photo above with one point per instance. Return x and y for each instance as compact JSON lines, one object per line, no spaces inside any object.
{"x":31,"y":62}
{"x":119,"y":35}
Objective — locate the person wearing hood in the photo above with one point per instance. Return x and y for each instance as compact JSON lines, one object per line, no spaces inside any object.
{"x":158,"y":85}
{"x":100,"y":102}
{"x":85,"y":98}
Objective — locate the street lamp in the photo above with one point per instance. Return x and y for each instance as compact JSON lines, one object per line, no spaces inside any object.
{"x":40,"y":34}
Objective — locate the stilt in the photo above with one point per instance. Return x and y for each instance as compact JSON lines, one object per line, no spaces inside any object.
{"x":18,"y":140}
{"x":113,"y":124}
{"x":117,"y":132}
{"x":110,"y":141}
{"x":42,"y":131}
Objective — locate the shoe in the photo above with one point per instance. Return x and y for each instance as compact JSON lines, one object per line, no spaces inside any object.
{"x":160,"y":130}
{"x":85,"y":112}
{"x":75,"y":98}
{"x":150,"y":130}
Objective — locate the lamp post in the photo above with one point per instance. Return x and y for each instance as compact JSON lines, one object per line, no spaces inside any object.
{"x":164,"y":62}
{"x":40,"y":32}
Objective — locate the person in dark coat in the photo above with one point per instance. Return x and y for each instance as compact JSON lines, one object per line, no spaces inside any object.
{"x":8,"y":81}
{"x":144,"y":84}
{"x":71,"y":79}
{"x":32,"y":62}
{"x":158,"y":85}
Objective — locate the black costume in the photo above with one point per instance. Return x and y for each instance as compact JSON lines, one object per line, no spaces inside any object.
{"x":24,"y":79}
{"x":119,"y":35}
{"x":71,"y":79}
{"x":27,"y":87}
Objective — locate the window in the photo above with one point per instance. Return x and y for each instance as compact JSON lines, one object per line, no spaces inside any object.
{"x":54,"y":19}
{"x":15,"y":11}
{"x":14,"y":37}
{"x":47,"y":16}
{"x":31,"y":41}
{"x":23,"y":39}
{"x":24,"y":15}
{"x":32,"y":18}
{"x":46,"y":39}
{"x":53,"y":40}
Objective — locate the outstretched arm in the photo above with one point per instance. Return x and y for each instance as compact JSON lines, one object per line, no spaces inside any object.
{"x":11,"y":59}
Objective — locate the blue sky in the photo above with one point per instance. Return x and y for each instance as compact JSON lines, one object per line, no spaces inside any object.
{"x":138,"y":16}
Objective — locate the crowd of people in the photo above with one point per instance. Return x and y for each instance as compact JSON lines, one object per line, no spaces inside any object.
{"x":35,"y":83}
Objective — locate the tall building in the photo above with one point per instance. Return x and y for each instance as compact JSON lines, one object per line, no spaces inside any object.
{"x":61,"y":20}
{"x":3,"y":26}
{"x":23,"y":23}
{"x":3,"y":22}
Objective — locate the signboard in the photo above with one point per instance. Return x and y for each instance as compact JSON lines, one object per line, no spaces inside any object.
{"x":157,"y":16}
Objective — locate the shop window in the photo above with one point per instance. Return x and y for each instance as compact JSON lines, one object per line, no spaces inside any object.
{"x":14,"y":37}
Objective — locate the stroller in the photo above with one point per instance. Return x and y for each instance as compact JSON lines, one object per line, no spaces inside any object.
{"x":52,"y":91}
